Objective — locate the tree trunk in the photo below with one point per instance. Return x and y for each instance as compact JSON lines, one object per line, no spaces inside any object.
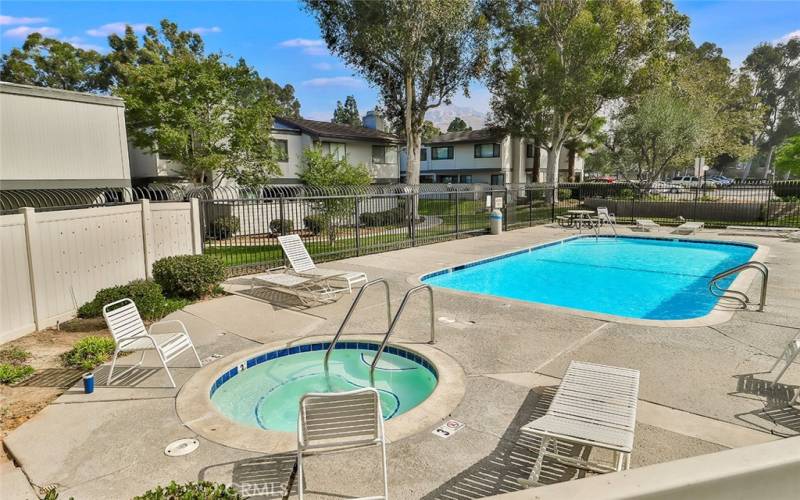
{"x":571,"y":165}
{"x":413,"y":136}
{"x":537,"y":160}
{"x":768,"y":162}
{"x":552,"y":169}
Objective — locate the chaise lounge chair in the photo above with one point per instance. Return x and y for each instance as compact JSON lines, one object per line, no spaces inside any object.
{"x":333,"y":422}
{"x":308,"y":289}
{"x":595,"y":405}
{"x":303,"y":265}
{"x":646,"y":225}
{"x":688,"y":228}
{"x":126,"y":326}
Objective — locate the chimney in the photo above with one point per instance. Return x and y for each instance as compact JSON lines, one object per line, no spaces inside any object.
{"x":374,"y":120}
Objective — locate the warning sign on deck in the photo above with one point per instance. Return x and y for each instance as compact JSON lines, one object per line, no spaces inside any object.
{"x":448,"y":428}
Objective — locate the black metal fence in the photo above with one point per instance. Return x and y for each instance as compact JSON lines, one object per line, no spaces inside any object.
{"x":241,"y":225}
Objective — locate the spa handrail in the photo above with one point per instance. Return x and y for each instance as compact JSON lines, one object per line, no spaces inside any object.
{"x":394,"y":323}
{"x":350,"y":313}
{"x":741,"y":297}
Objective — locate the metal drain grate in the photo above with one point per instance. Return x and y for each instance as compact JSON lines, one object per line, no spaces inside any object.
{"x":181,"y":447}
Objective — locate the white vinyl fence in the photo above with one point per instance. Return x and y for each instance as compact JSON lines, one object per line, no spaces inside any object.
{"x":53,"y":262}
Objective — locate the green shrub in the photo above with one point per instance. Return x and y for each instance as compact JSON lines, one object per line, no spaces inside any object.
{"x":786,"y":189}
{"x":146,"y":294}
{"x":10,"y":373}
{"x":564,"y":194}
{"x":395,"y":215}
{"x":14,"y":355}
{"x":191,"y":276}
{"x":314,"y":223}
{"x":224,"y":227}
{"x":89,"y":352}
{"x":191,"y":491}
{"x":281,"y":226}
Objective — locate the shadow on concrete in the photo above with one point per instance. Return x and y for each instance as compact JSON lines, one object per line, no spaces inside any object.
{"x":512,"y":459}
{"x":777,"y":409}
{"x":133,"y":378}
{"x":270,"y":476}
{"x":775,"y":394}
{"x":63,"y":378}
{"x":276,"y":298}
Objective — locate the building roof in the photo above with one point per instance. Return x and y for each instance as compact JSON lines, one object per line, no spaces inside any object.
{"x":340,"y":130}
{"x":480,"y":135}
{"x":61,"y":95}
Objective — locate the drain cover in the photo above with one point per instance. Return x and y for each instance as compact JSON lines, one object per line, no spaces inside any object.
{"x":181,"y":447}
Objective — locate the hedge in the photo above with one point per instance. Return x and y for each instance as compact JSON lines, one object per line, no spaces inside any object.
{"x":189,"y":276}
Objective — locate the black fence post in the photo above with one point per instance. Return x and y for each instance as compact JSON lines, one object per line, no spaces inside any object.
{"x":529,"y":192}
{"x":552,"y":198}
{"x":358,"y":226}
{"x":458,"y":212}
{"x":282,"y":214}
{"x":505,"y":207}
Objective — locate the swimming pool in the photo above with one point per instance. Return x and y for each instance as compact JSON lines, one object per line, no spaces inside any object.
{"x":642,"y":278}
{"x":265,"y":391}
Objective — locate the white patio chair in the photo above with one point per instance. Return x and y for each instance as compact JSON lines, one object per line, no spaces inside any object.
{"x":126,"y":326}
{"x":789,"y":354}
{"x":308,"y":289}
{"x":595,"y":405}
{"x":339,"y":421}
{"x":646,"y":225}
{"x":688,"y":228}
{"x":303,"y":264}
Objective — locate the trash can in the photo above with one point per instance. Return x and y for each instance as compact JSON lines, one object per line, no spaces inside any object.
{"x":496,"y":221}
{"x":88,"y":382}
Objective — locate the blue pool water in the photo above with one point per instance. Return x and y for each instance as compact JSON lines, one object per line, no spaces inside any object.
{"x":631,"y":277}
{"x":266,"y":394}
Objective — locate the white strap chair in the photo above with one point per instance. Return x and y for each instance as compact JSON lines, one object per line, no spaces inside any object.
{"x":789,"y":354}
{"x":334,"y":422}
{"x":303,"y":264}
{"x":126,"y":326}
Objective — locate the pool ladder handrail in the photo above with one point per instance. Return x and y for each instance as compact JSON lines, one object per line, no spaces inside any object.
{"x":736,"y":295}
{"x":353,"y":308}
{"x":390,"y":322}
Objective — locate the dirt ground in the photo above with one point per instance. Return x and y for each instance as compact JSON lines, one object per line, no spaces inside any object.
{"x":20,"y":402}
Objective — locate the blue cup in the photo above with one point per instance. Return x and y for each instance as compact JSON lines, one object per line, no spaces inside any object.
{"x":88,"y":383}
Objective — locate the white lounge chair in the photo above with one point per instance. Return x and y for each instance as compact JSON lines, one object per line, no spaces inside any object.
{"x":646,"y":225}
{"x":333,"y":422}
{"x":795,"y":236}
{"x":595,"y":405}
{"x":688,"y":228}
{"x":308,"y":289}
{"x":303,"y":264}
{"x":126,"y":326}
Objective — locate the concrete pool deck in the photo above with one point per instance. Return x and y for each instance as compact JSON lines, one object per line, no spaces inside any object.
{"x":702,"y":388}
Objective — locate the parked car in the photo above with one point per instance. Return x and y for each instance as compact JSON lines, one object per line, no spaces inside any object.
{"x":659,"y":187}
{"x":722,"y":180}
{"x":691,"y":181}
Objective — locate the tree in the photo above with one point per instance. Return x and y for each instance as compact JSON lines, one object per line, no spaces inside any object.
{"x":429,"y":131}
{"x":657,"y":131}
{"x":418,"y":53}
{"x":288,"y":105}
{"x":557,"y":63}
{"x":347,"y":113}
{"x":775,"y":72}
{"x":211,"y":118}
{"x":787,"y":158}
{"x":46,"y":62}
{"x":324,"y":170}
{"x":458,"y":125}
{"x":591,"y":139}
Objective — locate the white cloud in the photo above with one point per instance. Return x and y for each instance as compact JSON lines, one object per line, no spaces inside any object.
{"x":336,"y":81}
{"x":24,"y":31}
{"x":204,"y":31}
{"x":118,"y":28}
{"x":323,"y":66}
{"x":788,"y":36}
{"x":78,"y":42}
{"x":11,"y":20}
{"x":310,"y":47}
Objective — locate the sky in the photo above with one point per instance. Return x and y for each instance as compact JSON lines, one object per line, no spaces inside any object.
{"x":283,"y":42}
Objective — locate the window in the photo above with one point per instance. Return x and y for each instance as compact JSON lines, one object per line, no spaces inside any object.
{"x":282,"y":148}
{"x":466,"y":179}
{"x":497,"y":179}
{"x":336,"y":149}
{"x":529,"y":151}
{"x":384,"y":155}
{"x":448,"y":179}
{"x":423,"y":154}
{"x":442,"y":153}
{"x":487,"y":151}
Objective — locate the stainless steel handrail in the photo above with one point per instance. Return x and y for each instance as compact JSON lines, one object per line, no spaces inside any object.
{"x":350,"y":313}
{"x":394,"y":324}
{"x":741,"y":297}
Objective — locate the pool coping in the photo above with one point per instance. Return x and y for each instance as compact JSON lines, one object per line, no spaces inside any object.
{"x":719,"y":314}
{"x":196,"y":410}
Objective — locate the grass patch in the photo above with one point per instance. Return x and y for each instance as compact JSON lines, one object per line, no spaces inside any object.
{"x":13,"y":373}
{"x":14,"y":355}
{"x":89,"y":352}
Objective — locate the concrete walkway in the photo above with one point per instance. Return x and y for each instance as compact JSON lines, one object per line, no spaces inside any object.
{"x":702,"y":388}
